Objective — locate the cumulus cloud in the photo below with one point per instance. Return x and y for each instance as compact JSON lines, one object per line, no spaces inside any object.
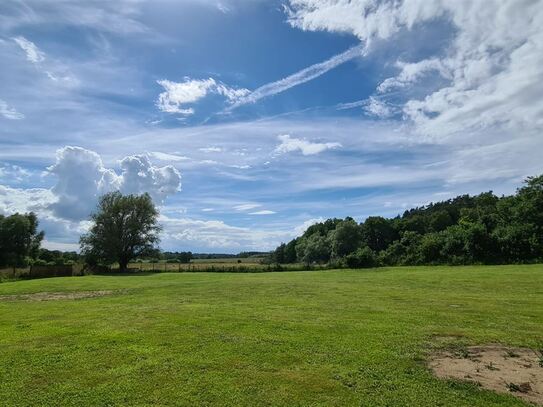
{"x":33,"y":53}
{"x":178,"y":94}
{"x":9,"y":112}
{"x":14,"y":200}
{"x":300,"y":229}
{"x":290,"y":144}
{"x":82,"y":178}
{"x":492,"y":69}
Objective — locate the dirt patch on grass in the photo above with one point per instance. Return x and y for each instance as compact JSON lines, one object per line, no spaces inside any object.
{"x":47,"y":296}
{"x":517,"y":371}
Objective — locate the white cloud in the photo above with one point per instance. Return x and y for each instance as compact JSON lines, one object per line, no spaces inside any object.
{"x":82,"y":177}
{"x":14,"y":200}
{"x":303,"y":76}
{"x":167,"y":157}
{"x":9,"y":112}
{"x":246,"y":207}
{"x":216,"y":234}
{"x":13,"y":172}
{"x":33,"y":53}
{"x":378,"y":108}
{"x":178,"y":94}
{"x":262,"y":212}
{"x":412,"y":72}
{"x":240,"y":167}
{"x":102,"y":15}
{"x":492,"y":69}
{"x":300,"y":229}
{"x":290,"y":144}
{"x":210,"y":149}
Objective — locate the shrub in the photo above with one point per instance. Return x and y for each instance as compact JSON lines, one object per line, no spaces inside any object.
{"x":362,"y":258}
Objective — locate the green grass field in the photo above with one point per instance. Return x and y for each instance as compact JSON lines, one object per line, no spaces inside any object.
{"x":330,"y":338}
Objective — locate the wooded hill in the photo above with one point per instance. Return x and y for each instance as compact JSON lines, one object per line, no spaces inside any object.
{"x":465,"y":230}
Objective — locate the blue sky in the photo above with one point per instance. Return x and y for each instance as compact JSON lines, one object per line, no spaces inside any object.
{"x":249,"y":120}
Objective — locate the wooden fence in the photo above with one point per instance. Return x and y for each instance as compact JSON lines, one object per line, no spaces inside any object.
{"x":14,"y":273}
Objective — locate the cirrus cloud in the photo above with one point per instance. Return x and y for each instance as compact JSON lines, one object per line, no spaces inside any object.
{"x":306,"y":147}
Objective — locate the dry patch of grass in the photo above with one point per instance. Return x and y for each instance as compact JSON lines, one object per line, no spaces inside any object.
{"x":52,"y":296}
{"x":518,"y":371}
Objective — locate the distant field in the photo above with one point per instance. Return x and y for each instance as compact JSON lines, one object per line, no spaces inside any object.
{"x":328,"y":338}
{"x":225,"y":264}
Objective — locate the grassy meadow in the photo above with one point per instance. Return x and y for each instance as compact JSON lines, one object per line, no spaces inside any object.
{"x":320,"y":338}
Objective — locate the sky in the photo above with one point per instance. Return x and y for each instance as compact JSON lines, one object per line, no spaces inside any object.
{"x":249,"y":120}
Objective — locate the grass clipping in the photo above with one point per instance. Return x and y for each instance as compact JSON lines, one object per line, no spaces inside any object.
{"x":517,"y":371}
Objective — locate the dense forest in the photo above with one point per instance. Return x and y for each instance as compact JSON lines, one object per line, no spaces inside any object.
{"x":481,"y":229}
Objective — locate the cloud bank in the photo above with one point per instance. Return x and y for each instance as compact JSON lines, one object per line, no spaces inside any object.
{"x":492,"y":69}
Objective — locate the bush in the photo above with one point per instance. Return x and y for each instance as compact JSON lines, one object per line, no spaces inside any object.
{"x":362,"y":258}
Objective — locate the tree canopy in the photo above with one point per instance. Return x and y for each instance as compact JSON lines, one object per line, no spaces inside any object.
{"x":123,"y":227}
{"x":464,"y":230}
{"x":19,"y":238}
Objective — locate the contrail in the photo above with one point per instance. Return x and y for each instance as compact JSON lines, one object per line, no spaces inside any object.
{"x":305,"y":75}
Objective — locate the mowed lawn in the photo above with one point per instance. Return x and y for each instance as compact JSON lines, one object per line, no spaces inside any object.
{"x":330,"y":338}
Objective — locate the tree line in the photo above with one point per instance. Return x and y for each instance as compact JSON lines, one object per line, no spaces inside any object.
{"x":481,"y":229}
{"x":484,"y":229}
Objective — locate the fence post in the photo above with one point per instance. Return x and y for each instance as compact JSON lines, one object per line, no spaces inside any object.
{"x":30,"y":272}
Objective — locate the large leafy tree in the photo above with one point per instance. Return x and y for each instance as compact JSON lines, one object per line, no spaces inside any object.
{"x":124,"y":227}
{"x":19,"y":238}
{"x":313,"y":249}
{"x":345,"y":238}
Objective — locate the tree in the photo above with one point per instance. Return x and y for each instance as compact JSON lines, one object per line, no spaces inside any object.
{"x":279,"y":254}
{"x":378,"y":233}
{"x":364,"y":257}
{"x":290,"y":251}
{"x":124,"y":227}
{"x":19,"y":238}
{"x":313,"y":249}
{"x":345,"y":238}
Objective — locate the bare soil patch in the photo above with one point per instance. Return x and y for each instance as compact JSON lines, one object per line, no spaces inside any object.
{"x":47,"y":296}
{"x":517,"y":371}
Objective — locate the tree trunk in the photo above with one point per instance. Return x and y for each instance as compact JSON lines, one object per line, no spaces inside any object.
{"x":123,"y":265}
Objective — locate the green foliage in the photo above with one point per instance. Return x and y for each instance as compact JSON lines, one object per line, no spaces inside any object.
{"x":313,"y":249}
{"x":19,"y":239}
{"x":124,"y":227}
{"x":345,"y":238}
{"x":481,"y":229}
{"x":378,"y":233}
{"x":363,"y":257}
